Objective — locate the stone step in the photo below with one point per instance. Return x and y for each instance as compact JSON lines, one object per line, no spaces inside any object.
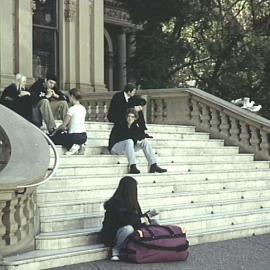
{"x":121,"y":159}
{"x":151,"y":127}
{"x":166,"y":143}
{"x":164,"y":151}
{"x":208,"y":212}
{"x":46,"y":259}
{"x":88,"y":220}
{"x":86,"y":206}
{"x":223,"y":176}
{"x":171,"y":167}
{"x":104,"y":134}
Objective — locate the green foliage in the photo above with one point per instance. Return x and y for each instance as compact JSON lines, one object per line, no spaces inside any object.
{"x":222,"y":45}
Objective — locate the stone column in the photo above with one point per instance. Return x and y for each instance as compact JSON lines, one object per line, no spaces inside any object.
{"x":97,"y":45}
{"x":67,"y":43}
{"x":7,"y":41}
{"x":131,"y":50}
{"x":83,"y":78}
{"x":24,"y":37}
{"x":122,"y":59}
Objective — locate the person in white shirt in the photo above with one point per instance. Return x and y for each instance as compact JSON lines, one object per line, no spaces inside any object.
{"x":72,"y":132}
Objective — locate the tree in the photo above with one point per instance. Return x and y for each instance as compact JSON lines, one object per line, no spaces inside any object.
{"x":223,"y":45}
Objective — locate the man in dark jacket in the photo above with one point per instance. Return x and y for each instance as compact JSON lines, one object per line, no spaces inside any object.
{"x":52,"y":103}
{"x":123,"y":100}
{"x":127,"y":138}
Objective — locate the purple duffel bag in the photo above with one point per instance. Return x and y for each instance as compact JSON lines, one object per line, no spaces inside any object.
{"x":156,"y":243}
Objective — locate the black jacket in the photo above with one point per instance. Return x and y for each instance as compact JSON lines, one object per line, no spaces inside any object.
{"x":117,"y":216}
{"x":118,"y":106}
{"x":39,"y":90}
{"x":121,"y":132}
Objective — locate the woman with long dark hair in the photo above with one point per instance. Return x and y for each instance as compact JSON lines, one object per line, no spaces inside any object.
{"x":123,"y":215}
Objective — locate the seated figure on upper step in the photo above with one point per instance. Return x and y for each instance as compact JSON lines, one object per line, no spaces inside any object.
{"x":127,"y":138}
{"x":72,"y":132}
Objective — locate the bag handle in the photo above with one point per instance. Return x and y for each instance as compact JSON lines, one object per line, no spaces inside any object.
{"x":171,"y":232}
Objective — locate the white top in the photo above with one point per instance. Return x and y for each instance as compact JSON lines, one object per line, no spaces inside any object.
{"x":77,"y":113}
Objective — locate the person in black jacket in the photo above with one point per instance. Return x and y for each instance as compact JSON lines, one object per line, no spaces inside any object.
{"x":123,"y":215}
{"x":127,"y":138}
{"x":123,"y":100}
{"x":52,"y":103}
{"x":17,"y":98}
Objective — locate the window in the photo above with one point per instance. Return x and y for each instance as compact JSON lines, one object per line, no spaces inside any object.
{"x":45,"y":38}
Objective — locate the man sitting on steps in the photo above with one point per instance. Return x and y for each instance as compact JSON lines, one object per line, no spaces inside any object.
{"x":127,"y":138}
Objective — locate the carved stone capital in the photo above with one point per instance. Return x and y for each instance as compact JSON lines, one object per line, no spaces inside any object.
{"x":70,"y":10}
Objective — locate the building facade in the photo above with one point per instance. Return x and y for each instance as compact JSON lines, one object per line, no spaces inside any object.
{"x":86,"y":43}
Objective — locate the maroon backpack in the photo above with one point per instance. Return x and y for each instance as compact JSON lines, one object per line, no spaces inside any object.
{"x":155,"y":243}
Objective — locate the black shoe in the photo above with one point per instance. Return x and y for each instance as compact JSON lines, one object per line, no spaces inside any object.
{"x":133,"y":169}
{"x":148,"y":136}
{"x":155,"y":168}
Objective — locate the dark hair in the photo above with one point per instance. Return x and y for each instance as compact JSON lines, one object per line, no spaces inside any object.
{"x":126,"y":193}
{"x":51,"y":77}
{"x":129,"y":87}
{"x":133,"y":111}
{"x":75,"y":92}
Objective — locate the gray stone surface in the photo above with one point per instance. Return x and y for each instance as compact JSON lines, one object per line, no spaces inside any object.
{"x":251,"y":253}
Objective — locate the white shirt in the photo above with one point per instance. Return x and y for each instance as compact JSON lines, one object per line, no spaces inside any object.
{"x":77,"y":113}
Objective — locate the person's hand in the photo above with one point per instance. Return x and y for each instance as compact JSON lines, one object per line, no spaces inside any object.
{"x":138,"y":108}
{"x":54,"y":94}
{"x":24,"y":93}
{"x":49,"y":93}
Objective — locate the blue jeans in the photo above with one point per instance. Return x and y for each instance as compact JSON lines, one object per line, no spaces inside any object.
{"x":121,"y":237}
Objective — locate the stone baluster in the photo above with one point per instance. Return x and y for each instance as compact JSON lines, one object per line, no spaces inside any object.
{"x":244,"y":135}
{"x":234,"y":130}
{"x":97,"y":112}
{"x":105,"y":110}
{"x":254,"y":139}
{"x":20,"y":218}
{"x":2,"y":225}
{"x":164,"y":110}
{"x":89,"y":111}
{"x":214,"y":122}
{"x":10,"y":223}
{"x":205,"y":124}
{"x":153,"y":110}
{"x":158,"y":111}
{"x":264,"y":146}
{"x":195,"y":113}
{"x":224,"y":125}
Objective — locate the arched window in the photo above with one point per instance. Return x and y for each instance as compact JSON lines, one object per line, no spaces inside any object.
{"x":45,"y":38}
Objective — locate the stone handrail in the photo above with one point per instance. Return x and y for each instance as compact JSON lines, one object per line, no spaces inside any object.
{"x":190,"y":106}
{"x":25,"y":160}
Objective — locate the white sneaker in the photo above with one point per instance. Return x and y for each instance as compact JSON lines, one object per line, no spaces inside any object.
{"x":115,"y":258}
{"x":73,"y":150}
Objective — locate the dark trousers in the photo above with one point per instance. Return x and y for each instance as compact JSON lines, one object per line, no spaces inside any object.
{"x":68,"y":139}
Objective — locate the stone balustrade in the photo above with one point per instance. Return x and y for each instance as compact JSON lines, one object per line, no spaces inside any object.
{"x":190,"y":106}
{"x":24,"y":160}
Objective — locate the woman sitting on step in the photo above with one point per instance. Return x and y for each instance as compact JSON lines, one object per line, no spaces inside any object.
{"x":72,"y":132}
{"x":123,"y":215}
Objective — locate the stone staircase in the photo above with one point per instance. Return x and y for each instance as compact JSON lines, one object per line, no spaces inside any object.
{"x":210,"y":189}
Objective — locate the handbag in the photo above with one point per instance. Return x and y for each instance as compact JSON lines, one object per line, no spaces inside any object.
{"x":156,"y":243}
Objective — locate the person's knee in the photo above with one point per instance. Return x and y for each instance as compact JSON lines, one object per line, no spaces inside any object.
{"x":62,"y":103}
{"x":44,"y":102}
{"x":130,"y":143}
{"x":128,"y":229}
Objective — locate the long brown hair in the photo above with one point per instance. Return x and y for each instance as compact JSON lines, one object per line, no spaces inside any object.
{"x":127,"y":194}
